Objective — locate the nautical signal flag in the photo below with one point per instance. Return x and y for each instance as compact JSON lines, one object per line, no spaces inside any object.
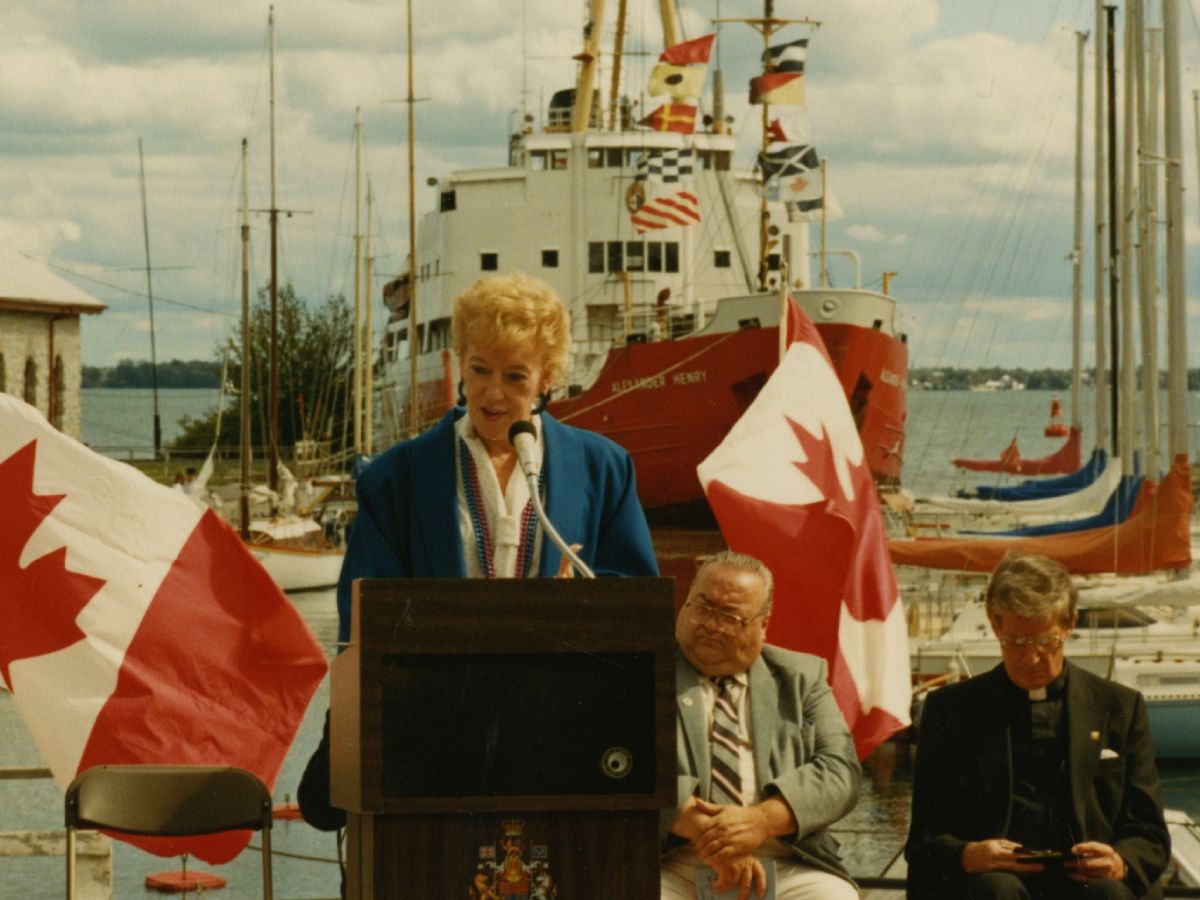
{"x":137,"y":626}
{"x":663,"y":210}
{"x":778,"y":88}
{"x":790,"y":486}
{"x":665,"y":166}
{"x":681,"y":69}
{"x":680,"y":117}
{"x":786,"y":57}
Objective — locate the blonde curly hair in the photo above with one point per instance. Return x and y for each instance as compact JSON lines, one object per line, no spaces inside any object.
{"x":507,"y":310}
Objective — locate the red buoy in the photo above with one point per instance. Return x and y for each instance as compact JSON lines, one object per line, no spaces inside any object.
{"x":1057,"y":427}
{"x":184,"y":882}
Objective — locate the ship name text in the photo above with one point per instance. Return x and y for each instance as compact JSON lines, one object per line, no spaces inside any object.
{"x":651,"y":382}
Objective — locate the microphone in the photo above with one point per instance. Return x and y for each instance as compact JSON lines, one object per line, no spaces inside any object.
{"x":523,"y":437}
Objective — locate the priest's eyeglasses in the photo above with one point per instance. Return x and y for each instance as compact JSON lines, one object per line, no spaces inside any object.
{"x":719,"y":620}
{"x":1042,"y":643}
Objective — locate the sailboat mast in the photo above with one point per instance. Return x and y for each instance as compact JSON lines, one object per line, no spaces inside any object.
{"x":1148,"y":84}
{"x":414,"y":423}
{"x":1128,"y":367}
{"x":1099,"y":202}
{"x":368,"y":338}
{"x":1077,"y":246}
{"x":1176,"y":297}
{"x":150,"y":300}
{"x":358,"y":303}
{"x":244,"y":481}
{"x":273,"y":361}
{"x":1113,"y":250}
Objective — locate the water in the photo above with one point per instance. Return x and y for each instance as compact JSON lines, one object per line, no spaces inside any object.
{"x":118,"y":421}
{"x":941,"y":425}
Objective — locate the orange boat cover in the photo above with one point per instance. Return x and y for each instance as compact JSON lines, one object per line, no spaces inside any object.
{"x":1155,"y":536}
{"x":1063,"y":461}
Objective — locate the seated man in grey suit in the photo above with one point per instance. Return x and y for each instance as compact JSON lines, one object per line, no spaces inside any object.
{"x":765,"y":761}
{"x":1036,"y":779}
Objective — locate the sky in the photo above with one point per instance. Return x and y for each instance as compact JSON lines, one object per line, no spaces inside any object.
{"x":948,"y":126}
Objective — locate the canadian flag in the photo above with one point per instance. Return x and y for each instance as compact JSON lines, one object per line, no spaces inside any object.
{"x":790,"y":486}
{"x":135,"y":627}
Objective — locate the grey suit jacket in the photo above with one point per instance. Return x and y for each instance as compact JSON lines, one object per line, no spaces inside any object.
{"x":803,"y":751}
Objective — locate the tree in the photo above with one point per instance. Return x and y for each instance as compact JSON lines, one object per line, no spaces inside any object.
{"x":315,"y":369}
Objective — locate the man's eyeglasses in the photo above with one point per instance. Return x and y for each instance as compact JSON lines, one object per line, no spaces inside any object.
{"x":701,"y":613}
{"x":1043,"y":643}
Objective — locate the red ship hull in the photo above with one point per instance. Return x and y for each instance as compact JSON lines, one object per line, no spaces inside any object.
{"x":670,"y":403}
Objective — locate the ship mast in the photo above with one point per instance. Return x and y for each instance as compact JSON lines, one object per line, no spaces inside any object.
{"x":581,"y":112}
{"x":767,"y":26}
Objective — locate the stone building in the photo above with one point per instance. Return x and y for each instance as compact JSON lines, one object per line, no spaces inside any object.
{"x":39,"y":338}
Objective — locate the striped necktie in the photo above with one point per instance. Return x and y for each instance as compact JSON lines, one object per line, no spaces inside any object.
{"x":726,"y":763}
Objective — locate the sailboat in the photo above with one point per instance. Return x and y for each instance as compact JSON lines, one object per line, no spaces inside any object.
{"x":676,"y":326}
{"x":298,"y":552}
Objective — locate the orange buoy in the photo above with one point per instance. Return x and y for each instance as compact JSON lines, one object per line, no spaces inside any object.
{"x":184,"y":882}
{"x":1056,"y":428}
{"x":285,"y":811}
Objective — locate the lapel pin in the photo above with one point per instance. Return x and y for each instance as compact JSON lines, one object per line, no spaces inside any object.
{"x":1094,"y":735}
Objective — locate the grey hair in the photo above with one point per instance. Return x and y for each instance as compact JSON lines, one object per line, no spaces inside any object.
{"x":1032,"y":587}
{"x":742,"y":562}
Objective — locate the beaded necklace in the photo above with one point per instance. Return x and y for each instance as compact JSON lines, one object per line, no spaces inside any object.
{"x":483,"y":534}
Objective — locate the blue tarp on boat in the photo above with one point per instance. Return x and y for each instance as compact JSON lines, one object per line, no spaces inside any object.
{"x":1045,"y":487}
{"x":1115,"y":511}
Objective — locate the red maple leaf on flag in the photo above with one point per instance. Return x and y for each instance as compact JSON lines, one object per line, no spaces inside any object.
{"x":38,"y":603}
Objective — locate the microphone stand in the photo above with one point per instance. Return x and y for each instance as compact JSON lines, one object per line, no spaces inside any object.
{"x":524,"y":429}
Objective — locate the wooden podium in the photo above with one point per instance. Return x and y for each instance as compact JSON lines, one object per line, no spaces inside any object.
{"x":505,"y":738}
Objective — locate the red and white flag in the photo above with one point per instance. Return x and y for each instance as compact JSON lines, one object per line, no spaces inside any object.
{"x":790,"y":486}
{"x":135,"y":627}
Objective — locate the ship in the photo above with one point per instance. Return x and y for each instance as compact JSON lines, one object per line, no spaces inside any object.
{"x":675,"y":325}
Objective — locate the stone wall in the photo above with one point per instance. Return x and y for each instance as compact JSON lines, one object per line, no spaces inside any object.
{"x":25,"y":343}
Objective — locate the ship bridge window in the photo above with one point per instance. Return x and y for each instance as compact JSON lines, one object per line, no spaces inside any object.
{"x":448,"y":201}
{"x":558,"y":159}
{"x":613,"y":157}
{"x":672,"y":260}
{"x":654,"y":256}
{"x":549,"y":259}
{"x":595,"y":256}
{"x":722,"y":259}
{"x":489,"y":262}
{"x":635,"y":256}
{"x":616,"y":261}
{"x":595,"y":157}
{"x":773,"y":260}
{"x":538,"y":160}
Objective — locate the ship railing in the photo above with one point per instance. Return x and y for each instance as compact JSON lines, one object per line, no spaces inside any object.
{"x":93,"y":851}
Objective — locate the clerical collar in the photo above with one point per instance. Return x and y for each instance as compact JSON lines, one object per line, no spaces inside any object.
{"x":1053,"y":691}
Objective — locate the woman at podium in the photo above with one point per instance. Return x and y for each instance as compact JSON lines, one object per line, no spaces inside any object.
{"x":453,"y":501}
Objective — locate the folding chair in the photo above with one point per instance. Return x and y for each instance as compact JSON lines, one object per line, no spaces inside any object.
{"x":168,"y":801}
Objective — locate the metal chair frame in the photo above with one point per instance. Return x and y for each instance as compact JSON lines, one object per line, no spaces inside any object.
{"x":168,"y":801}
